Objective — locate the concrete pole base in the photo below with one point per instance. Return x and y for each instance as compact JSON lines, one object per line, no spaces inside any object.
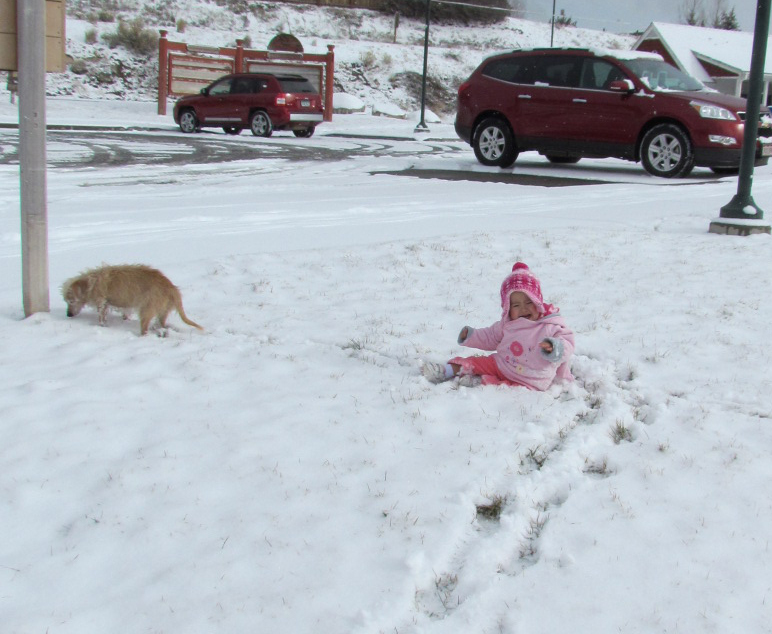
{"x":729,"y":228}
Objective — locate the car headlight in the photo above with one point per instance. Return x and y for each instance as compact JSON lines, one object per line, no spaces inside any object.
{"x":709,"y":111}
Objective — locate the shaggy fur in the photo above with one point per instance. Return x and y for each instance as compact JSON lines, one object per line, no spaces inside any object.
{"x":128,"y":287}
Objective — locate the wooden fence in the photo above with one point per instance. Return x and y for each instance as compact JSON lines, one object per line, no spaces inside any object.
{"x":184,"y":69}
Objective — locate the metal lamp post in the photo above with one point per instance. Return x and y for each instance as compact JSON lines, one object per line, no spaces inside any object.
{"x":741,"y":216}
{"x":552,"y":34}
{"x":422,"y":127}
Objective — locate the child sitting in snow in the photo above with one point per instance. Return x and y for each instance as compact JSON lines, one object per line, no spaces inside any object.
{"x":531,"y":341}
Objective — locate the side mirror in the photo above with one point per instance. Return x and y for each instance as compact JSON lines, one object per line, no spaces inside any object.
{"x":205,"y":92}
{"x":622,"y":85}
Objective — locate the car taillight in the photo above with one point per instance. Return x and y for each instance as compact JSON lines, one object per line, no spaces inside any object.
{"x":281,"y":100}
{"x":463,"y":87}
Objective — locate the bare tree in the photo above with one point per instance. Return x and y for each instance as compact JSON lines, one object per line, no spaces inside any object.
{"x":692,"y":12}
{"x":697,"y":13}
{"x":518,"y":8}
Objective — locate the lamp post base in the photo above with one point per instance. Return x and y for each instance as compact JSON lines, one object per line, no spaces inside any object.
{"x":730,"y":227}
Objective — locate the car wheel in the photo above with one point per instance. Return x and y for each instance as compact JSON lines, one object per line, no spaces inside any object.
{"x":260,"y":124}
{"x":305,"y":132}
{"x":494,"y":143}
{"x":666,"y":151}
{"x":188,"y":121}
{"x":562,"y":160}
{"x":229,"y":129}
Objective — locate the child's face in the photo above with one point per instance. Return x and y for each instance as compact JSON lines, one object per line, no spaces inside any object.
{"x":521,"y":306}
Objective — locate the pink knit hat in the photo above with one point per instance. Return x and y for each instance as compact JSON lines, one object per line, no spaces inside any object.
{"x":521,"y":279}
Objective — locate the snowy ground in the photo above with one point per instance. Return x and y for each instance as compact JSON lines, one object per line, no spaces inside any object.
{"x":289,"y":470}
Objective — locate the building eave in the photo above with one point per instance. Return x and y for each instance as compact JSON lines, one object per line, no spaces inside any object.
{"x":653,"y":33}
{"x":723,"y":65}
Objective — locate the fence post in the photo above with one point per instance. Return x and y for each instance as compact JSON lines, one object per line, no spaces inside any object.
{"x":163,"y":71}
{"x":239,"y":62}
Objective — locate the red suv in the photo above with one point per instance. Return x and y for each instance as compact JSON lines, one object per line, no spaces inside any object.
{"x":259,"y":101}
{"x":573,"y":103}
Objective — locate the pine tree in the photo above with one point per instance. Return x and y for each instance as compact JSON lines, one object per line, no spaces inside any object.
{"x":729,"y":21}
{"x":564,"y":20}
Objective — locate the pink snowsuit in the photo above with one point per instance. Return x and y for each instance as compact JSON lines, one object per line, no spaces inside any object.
{"x":518,"y":356}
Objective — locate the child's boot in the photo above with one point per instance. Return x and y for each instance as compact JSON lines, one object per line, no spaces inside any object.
{"x":469,"y":380}
{"x":435,"y":372}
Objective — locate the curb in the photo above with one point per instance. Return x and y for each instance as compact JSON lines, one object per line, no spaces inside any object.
{"x":139,"y":128}
{"x":96,"y":128}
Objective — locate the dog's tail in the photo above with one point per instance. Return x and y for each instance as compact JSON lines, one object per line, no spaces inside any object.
{"x":182,"y":314}
{"x":190,"y":322}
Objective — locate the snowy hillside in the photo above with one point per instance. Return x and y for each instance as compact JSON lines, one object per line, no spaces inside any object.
{"x":369,"y":64}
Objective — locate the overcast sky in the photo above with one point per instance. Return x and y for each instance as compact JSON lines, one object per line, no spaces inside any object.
{"x":624,"y":16}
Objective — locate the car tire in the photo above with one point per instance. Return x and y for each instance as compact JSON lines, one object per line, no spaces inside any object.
{"x":304,"y":133}
{"x":494,"y":143}
{"x":666,"y":151}
{"x":189,"y":121}
{"x":562,"y":160}
{"x":260,"y":124}
{"x":229,"y":129}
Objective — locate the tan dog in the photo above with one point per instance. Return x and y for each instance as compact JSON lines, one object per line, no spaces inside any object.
{"x":128,"y":287}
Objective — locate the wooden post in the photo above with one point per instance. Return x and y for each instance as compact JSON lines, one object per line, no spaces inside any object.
{"x":163,"y":71}
{"x":31,"y":52}
{"x":239,"y":59}
{"x":13,"y":84}
{"x":328,"y":82}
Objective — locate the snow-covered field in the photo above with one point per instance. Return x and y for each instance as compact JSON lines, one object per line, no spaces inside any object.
{"x":289,"y":470}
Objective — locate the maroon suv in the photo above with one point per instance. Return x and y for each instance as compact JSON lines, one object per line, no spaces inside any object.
{"x":261,"y":102}
{"x":573,"y":103}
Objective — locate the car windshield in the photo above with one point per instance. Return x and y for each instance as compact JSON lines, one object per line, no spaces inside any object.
{"x":661,"y":76}
{"x":295,"y":85}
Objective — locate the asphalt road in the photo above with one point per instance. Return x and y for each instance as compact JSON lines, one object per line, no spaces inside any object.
{"x":89,"y":149}
{"x":79,"y":149}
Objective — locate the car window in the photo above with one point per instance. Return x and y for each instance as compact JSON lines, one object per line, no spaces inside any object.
{"x":597,"y":74}
{"x":222,"y":87}
{"x":295,"y":84}
{"x":661,"y":76}
{"x":515,"y":70}
{"x":242,"y":86}
{"x":562,"y":71}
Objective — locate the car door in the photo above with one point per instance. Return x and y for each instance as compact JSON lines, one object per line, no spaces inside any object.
{"x":546,"y":107}
{"x":242,"y":97}
{"x":264,"y":97}
{"x":605,"y":121}
{"x":216,"y":107}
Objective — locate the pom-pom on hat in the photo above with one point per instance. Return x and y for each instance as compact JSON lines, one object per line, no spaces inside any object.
{"x":521,"y":279}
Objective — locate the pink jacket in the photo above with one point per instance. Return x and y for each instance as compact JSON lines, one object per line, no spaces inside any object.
{"x":518,"y":354}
